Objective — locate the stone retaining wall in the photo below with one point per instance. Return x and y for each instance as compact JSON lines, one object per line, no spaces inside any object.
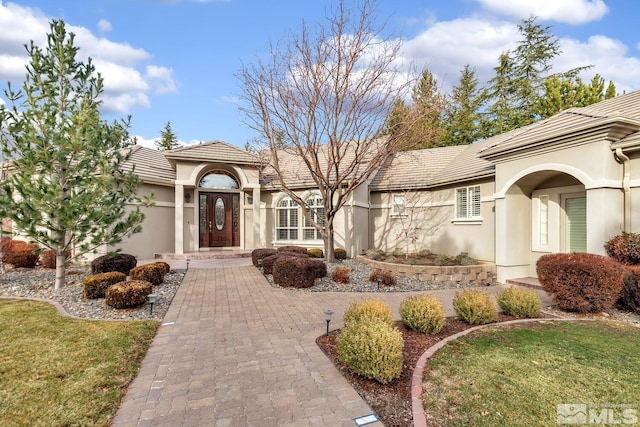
{"x":483,"y":274}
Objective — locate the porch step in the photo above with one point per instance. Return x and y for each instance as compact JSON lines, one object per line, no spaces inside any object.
{"x":529,"y":282}
{"x":204,"y":255}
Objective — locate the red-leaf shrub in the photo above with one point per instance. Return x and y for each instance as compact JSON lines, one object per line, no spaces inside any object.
{"x":20,"y":254}
{"x":298,"y":272}
{"x":341,"y":275}
{"x":630,"y":294}
{"x":382,"y":278}
{"x":268,"y":262}
{"x":118,"y":262}
{"x":260,"y":254}
{"x":624,"y":248}
{"x":48,"y":258}
{"x":295,"y":249}
{"x":581,"y":282}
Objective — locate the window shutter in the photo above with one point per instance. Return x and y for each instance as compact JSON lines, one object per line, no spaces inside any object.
{"x":576,"y":230}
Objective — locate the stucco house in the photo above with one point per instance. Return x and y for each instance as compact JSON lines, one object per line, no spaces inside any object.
{"x":564,"y":184}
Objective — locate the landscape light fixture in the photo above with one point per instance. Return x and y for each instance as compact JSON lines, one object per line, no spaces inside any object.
{"x":327,"y":318}
{"x":188,"y":261}
{"x":152,"y":300}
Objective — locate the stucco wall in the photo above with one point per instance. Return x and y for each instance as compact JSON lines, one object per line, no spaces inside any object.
{"x":434,"y":223}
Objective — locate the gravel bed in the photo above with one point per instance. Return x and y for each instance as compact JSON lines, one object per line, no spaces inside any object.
{"x":359,"y":281}
{"x":38,"y":283}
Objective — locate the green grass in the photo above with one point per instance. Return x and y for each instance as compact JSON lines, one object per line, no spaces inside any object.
{"x":517,"y":377}
{"x":57,"y":371}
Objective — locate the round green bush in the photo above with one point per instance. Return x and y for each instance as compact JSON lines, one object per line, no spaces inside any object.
{"x":372,"y":349}
{"x":474,"y":307}
{"x":371,"y":309}
{"x":519,"y":302}
{"x":340,"y":253}
{"x":315,"y":253}
{"x":422,"y":313}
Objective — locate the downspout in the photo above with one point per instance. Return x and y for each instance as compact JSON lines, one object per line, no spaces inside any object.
{"x":626,"y":188}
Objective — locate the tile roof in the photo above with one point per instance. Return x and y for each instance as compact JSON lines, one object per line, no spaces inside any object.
{"x":212,"y":151}
{"x":151,"y":165}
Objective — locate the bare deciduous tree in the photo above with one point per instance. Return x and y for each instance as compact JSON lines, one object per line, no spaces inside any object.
{"x":322,"y":99}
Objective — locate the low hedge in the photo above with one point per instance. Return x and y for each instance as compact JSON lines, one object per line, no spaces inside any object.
{"x":315,"y":253}
{"x":581,"y":282}
{"x":294,"y":249}
{"x":260,"y":254}
{"x":624,"y":248}
{"x":96,"y":286}
{"x":630,"y":293}
{"x":339,"y":253}
{"x":128,"y":294}
{"x":519,"y":302}
{"x":298,"y":272}
{"x":373,"y":309}
{"x":422,"y":313}
{"x":474,"y":307}
{"x":268,"y":262}
{"x":117,"y":262}
{"x":153,"y":273}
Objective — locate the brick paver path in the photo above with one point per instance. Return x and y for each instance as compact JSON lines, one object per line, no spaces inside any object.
{"x":235,"y":351}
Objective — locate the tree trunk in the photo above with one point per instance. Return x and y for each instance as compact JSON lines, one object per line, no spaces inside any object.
{"x":328,"y":243}
{"x":60,"y":270}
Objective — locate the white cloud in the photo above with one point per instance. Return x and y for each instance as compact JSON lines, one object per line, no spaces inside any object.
{"x":230,"y":99}
{"x":161,"y":79}
{"x":104,"y":26}
{"x":567,"y":11}
{"x":128,"y":77}
{"x":151,"y":143}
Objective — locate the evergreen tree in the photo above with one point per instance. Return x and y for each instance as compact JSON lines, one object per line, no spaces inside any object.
{"x":462,"y":116}
{"x":500,"y":115}
{"x":68,"y":185}
{"x":561,"y":93}
{"x":168,"y":140}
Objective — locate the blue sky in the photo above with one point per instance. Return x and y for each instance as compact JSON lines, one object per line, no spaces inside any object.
{"x":176,"y":60}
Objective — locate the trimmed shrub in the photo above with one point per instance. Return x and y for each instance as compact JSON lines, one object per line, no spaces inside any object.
{"x":259,"y":254}
{"x":297,"y":272}
{"x":422,"y":313}
{"x":96,"y":286}
{"x":474,"y":307}
{"x":315,"y":253}
{"x":341,"y":275}
{"x":20,"y":254}
{"x":581,"y":282}
{"x":444,"y":260}
{"x":372,"y":349}
{"x":166,"y":268}
{"x":464,"y":259}
{"x":153,"y":273}
{"x":382,"y":277}
{"x":128,"y":294}
{"x":48,"y":258}
{"x":519,"y":302}
{"x":339,"y":253}
{"x":630,"y":294}
{"x":368,"y":310}
{"x":423,"y":253}
{"x":294,"y":249}
{"x":268,"y":262}
{"x":117,"y":262}
{"x":624,"y":248}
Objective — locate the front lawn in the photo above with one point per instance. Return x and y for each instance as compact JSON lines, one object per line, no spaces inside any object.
{"x":518,"y":376}
{"x":60,"y":371}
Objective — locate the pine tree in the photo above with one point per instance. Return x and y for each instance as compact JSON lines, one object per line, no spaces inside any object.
{"x":168,"y":140}
{"x":68,"y":185}
{"x":499,"y":115}
{"x":462,"y":116}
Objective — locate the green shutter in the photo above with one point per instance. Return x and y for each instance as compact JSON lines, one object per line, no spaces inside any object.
{"x":576,"y":238}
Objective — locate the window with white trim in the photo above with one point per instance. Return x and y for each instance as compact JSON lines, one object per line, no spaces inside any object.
{"x":543,"y":220}
{"x":291,"y":224}
{"x":287,"y":219}
{"x":468,"y":202}
{"x":317,"y":213}
{"x":398,"y":204}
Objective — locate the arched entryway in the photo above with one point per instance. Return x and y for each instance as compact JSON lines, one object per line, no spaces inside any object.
{"x":218,"y":209}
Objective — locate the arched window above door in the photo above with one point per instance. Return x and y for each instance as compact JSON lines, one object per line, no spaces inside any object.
{"x":219,"y":180}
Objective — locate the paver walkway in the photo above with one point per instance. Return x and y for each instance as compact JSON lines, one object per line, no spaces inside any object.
{"x":235,"y":351}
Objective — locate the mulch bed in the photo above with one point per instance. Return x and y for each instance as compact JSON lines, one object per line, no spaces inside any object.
{"x":392,"y":402}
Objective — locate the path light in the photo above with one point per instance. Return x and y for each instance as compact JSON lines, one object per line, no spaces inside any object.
{"x":327,"y":318}
{"x":152,"y":300}
{"x":188,"y":261}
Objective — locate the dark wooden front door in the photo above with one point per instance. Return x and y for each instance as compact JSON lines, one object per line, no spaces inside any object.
{"x":219,"y":219}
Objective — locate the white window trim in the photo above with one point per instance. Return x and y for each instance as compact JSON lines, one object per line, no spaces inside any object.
{"x":473,"y":219}
{"x":301,"y":228}
{"x":395,"y":212}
